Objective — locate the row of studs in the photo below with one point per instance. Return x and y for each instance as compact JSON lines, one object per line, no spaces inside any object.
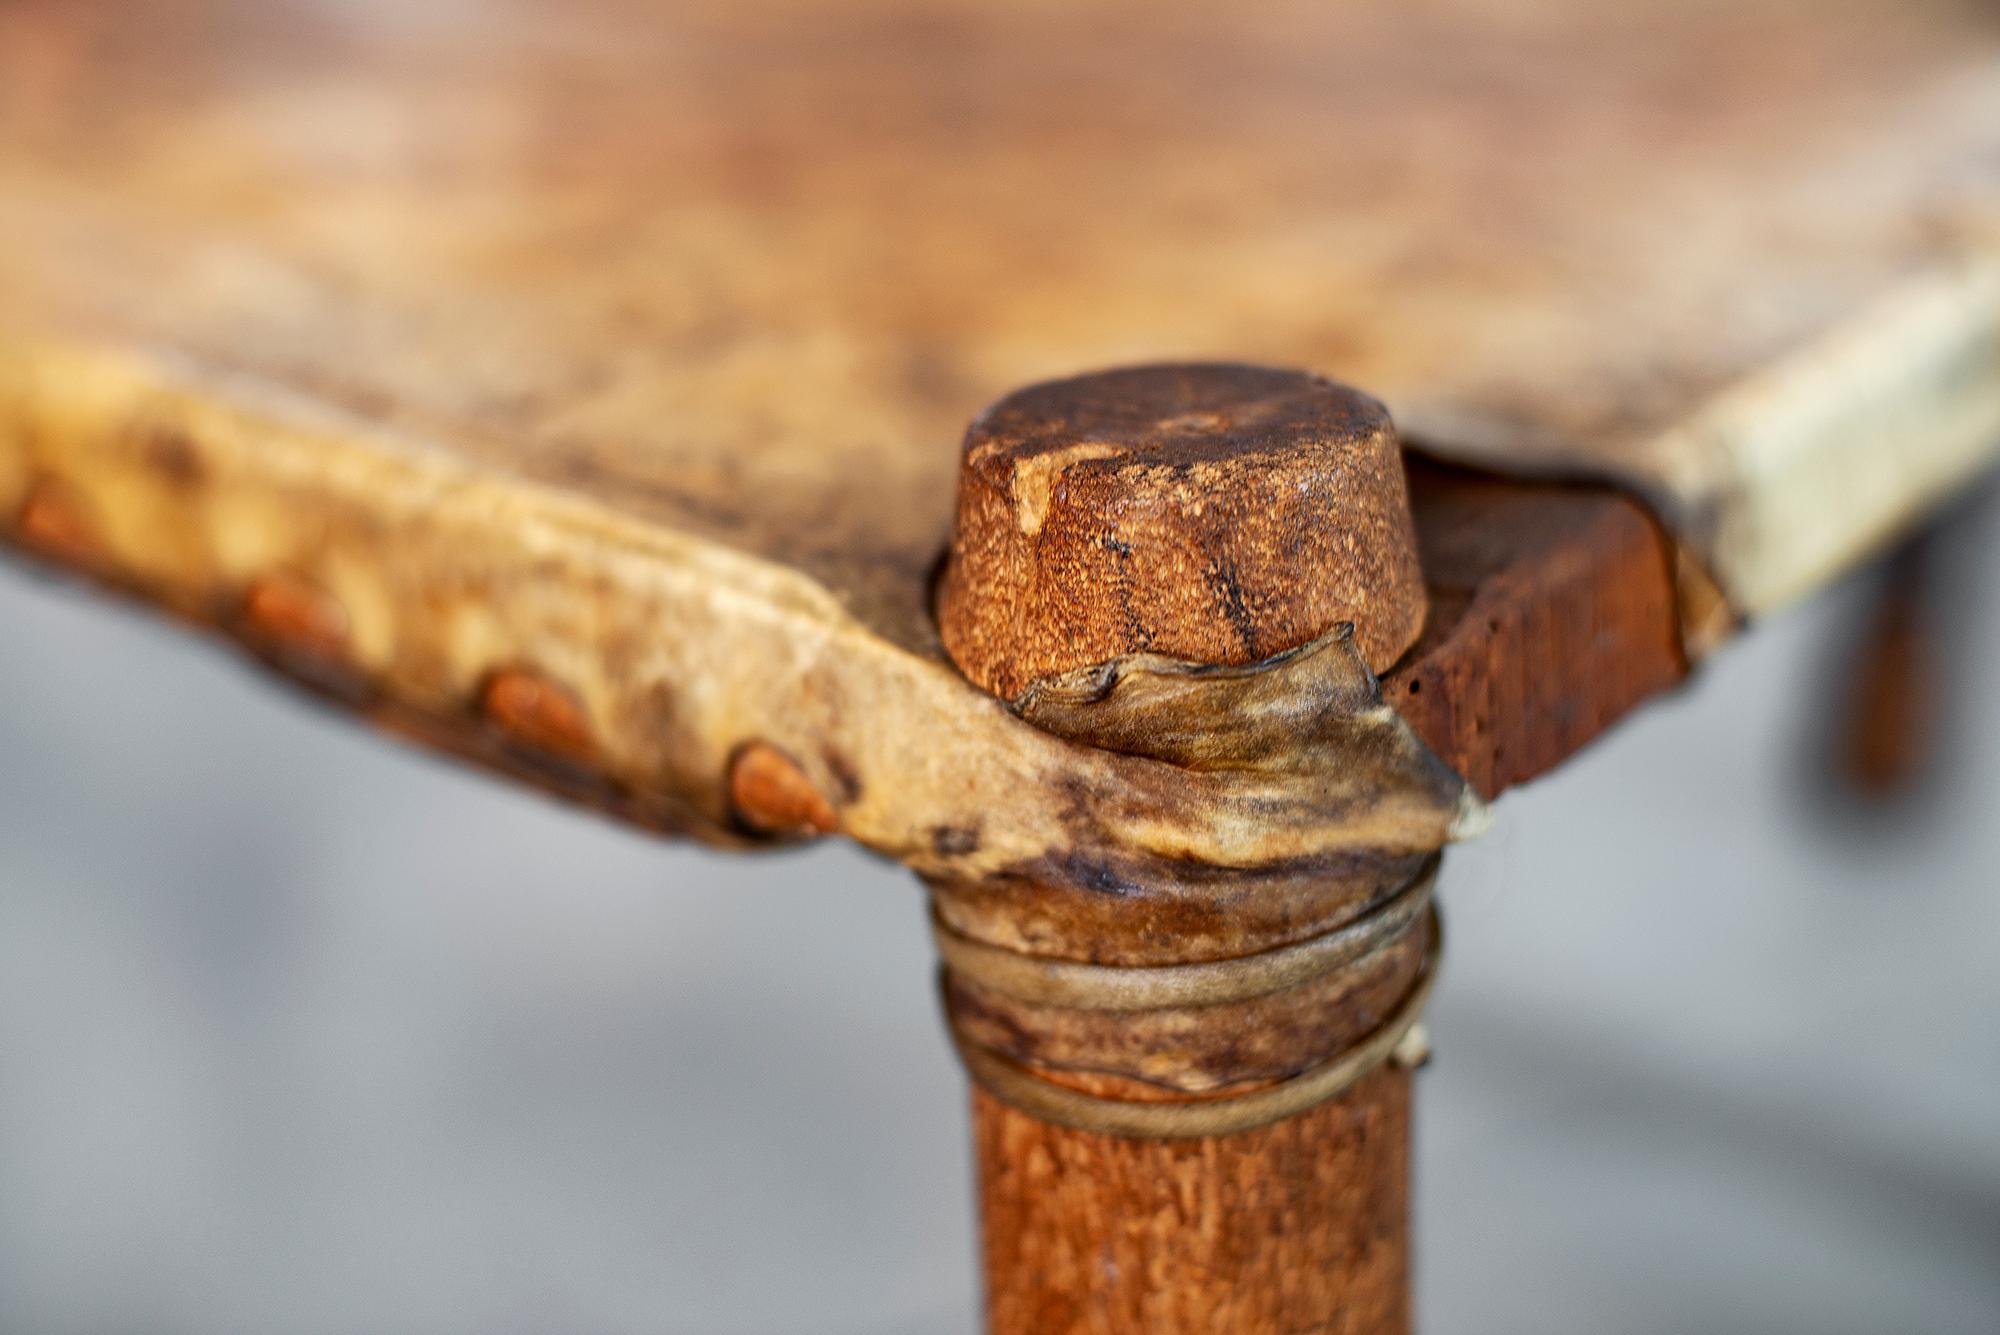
{"x":768,"y":791}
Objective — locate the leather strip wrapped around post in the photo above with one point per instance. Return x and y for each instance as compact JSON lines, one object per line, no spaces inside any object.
{"x":1078,"y":1001}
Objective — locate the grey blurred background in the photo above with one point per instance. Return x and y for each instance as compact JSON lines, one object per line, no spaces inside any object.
{"x":304,"y":1031}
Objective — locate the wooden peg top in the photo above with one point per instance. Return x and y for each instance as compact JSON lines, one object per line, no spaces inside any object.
{"x":1214,"y":512}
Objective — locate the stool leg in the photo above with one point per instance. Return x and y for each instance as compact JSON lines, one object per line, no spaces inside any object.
{"x":1298,"y":1226}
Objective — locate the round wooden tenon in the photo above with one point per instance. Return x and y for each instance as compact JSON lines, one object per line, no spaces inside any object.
{"x":1219,"y":513}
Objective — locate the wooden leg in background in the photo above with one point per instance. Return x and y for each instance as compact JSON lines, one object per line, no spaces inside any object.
{"x":1299,"y":1226}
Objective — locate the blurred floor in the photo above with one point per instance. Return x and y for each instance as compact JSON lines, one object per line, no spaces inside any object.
{"x":302,"y":1031}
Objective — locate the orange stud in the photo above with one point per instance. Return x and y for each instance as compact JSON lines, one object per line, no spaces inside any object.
{"x":52,"y":522}
{"x":772,"y":795}
{"x":296,"y":615}
{"x":538,"y":713}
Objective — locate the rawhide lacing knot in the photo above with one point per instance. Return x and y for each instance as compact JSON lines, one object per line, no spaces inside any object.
{"x":1230,"y":1044}
{"x":1089,"y":1005}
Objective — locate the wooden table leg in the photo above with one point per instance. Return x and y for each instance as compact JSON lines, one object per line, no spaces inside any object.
{"x":1219,"y":515}
{"x":1298,"y":1226}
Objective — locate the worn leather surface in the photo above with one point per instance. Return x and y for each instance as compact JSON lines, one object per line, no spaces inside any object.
{"x":632,"y":343}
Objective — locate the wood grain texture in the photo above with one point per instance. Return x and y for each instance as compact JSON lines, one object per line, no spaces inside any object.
{"x":1553,"y":613}
{"x":1299,"y":1226}
{"x":1086,"y":502}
